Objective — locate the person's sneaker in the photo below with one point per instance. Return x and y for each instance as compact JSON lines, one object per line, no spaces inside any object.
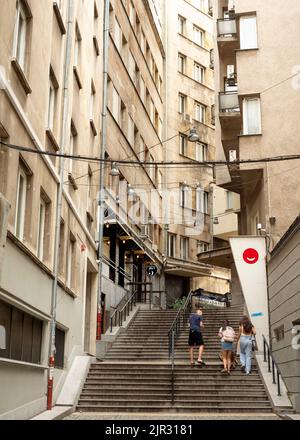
{"x":228,"y":372}
{"x":243,"y":368}
{"x":201,"y":363}
{"x":223,"y":370}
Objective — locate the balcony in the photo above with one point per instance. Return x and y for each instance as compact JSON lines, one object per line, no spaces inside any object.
{"x":230,"y":114}
{"x":227,"y":35}
{"x":229,"y":103}
{"x":227,"y":28}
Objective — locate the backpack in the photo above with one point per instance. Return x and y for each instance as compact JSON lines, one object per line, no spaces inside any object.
{"x":228,"y":334}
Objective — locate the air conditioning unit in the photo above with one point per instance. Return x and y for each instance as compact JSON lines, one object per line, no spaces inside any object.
{"x":187,"y":118}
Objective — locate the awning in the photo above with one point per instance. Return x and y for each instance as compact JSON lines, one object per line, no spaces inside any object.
{"x":188,"y":269}
{"x":217,"y":257}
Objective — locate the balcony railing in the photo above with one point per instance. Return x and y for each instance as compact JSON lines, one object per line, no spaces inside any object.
{"x":229,"y":102}
{"x":227,"y":27}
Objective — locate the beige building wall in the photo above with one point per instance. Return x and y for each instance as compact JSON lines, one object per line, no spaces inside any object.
{"x":266,"y":71}
{"x":181,"y":80}
{"x":25,"y":120}
{"x":226,"y":207}
{"x":135,"y":129}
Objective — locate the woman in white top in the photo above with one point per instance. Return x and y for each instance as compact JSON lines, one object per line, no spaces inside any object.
{"x":227,"y":335}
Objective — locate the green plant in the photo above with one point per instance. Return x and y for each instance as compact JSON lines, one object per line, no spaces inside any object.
{"x":179,"y":303}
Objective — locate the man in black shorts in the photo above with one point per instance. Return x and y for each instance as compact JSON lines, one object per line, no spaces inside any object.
{"x":195,"y":336}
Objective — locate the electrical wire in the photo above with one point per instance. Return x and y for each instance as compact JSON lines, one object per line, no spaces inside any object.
{"x":162,"y":164}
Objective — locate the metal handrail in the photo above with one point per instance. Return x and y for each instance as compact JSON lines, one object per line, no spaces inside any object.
{"x":114,"y":266}
{"x":173,"y":333}
{"x":272,"y":366}
{"x":179,"y":320}
{"x":119,"y":316}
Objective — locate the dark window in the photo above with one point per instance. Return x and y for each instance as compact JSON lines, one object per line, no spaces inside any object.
{"x":22,"y":334}
{"x":60,"y":348}
{"x":279,"y":333}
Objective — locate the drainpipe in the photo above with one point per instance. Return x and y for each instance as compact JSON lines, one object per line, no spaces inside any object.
{"x":59,"y":203}
{"x":102,"y":166}
{"x":165,"y":207}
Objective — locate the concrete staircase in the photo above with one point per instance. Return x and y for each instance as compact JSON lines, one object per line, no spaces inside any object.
{"x":135,"y":375}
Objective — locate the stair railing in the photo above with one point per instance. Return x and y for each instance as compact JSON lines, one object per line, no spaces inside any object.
{"x":121,"y":313}
{"x":272,"y":366}
{"x":173,"y":334}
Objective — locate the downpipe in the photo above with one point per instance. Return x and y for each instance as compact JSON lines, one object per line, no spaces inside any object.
{"x":59,"y":206}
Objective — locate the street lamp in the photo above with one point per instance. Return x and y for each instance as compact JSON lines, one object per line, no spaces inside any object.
{"x":114,"y":172}
{"x":193,"y":136}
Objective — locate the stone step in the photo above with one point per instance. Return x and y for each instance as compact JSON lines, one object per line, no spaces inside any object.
{"x":179,"y":408}
{"x":166,"y":387}
{"x":179,"y":393}
{"x":184,"y":399}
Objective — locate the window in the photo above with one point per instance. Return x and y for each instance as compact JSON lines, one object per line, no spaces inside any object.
{"x":205,"y":202}
{"x":184,"y":248}
{"x":202,"y":246}
{"x":203,"y":5}
{"x":181,"y":63}
{"x":251,"y":116}
{"x":152,"y":112}
{"x":171,"y":245}
{"x":143,"y":43}
{"x":248,"y":32}
{"x":116,"y":105}
{"x":118,"y":36}
{"x":279,"y":333}
{"x":71,"y":262}
{"x":92,"y":100}
{"x":51,"y":105}
{"x":77,"y":47}
{"x":201,"y":152}
{"x":41,"y":229}
{"x":198,"y":73}
{"x":202,"y":198}
{"x":20,"y":34}
{"x":229,"y":200}
{"x":184,"y":190}
{"x":181,"y":25}
{"x":182,"y":99}
{"x":62,"y":248}
{"x":182,"y":144}
{"x":59,"y":348}
{"x":200,"y":111}
{"x":130,"y":134}
{"x":131,"y":13}
{"x":72,"y":147}
{"x":142,"y":90}
{"x":198,"y":36}
{"x":132,"y":68}
{"x":21,"y":204}
{"x":22,"y":335}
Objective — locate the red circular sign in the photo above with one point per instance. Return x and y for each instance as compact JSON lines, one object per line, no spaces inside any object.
{"x":250,"y":256}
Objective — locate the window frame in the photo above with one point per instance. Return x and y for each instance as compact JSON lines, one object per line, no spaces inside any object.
{"x":21,"y":209}
{"x":41,"y":229}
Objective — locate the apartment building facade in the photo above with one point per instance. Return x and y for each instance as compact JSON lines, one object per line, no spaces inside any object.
{"x":257,"y":85}
{"x":51,"y":79}
{"x":189,"y":105}
{"x":251,"y":77}
{"x":133,"y":236}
